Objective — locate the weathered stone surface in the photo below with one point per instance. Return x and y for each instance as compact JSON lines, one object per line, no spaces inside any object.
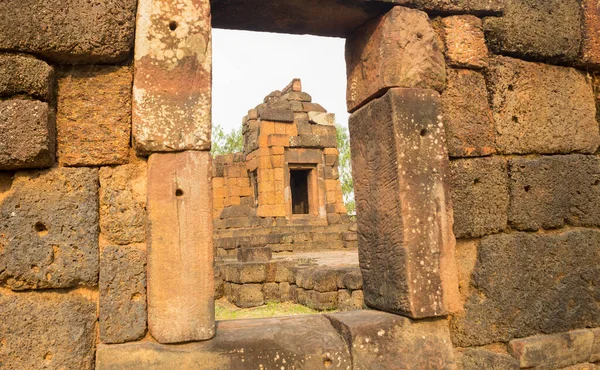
{"x":479,"y":196}
{"x":23,"y":74}
{"x":595,"y":356}
{"x":94,"y":116}
{"x":49,"y":229}
{"x":245,"y":272}
{"x":247,"y":295}
{"x":180,"y":249}
{"x":301,"y":342}
{"x":553,"y":351}
{"x":399,"y":49}
{"x":276,"y":115}
{"x":464,"y":41}
{"x":404,"y":226}
{"x":380,"y":340}
{"x":69,"y":31}
{"x":477,"y":359}
{"x":467,"y":116}
{"x":548,"y":30}
{"x":123,"y":202}
{"x":172,"y":88}
{"x":455,"y":6}
{"x":561,"y":293}
{"x":27,"y":134}
{"x":586,"y":366}
{"x":590,"y":48}
{"x":541,"y":109}
{"x":306,"y":17}
{"x":46,"y":331}
{"x":254,"y":254}
{"x":549,"y":192}
{"x":320,"y":118}
{"x":122,"y":294}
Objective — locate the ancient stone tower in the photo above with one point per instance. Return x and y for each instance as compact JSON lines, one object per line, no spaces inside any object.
{"x":286,"y":181}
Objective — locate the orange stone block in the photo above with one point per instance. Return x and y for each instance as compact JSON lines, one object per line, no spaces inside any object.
{"x":218,"y":182}
{"x":291,"y":130}
{"x":278,"y":150}
{"x":330,"y":151}
{"x":180,"y":249}
{"x":235,"y":200}
{"x":279,"y":140}
{"x":267,"y":128}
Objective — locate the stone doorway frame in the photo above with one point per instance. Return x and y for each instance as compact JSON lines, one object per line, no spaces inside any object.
{"x":423,"y":262}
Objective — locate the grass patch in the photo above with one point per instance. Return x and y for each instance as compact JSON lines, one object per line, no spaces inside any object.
{"x":224,"y":310}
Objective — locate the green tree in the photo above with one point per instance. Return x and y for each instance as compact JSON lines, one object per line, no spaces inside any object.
{"x":225,"y":143}
{"x":345,"y":167}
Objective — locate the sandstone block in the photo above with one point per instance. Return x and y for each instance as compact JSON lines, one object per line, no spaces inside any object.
{"x":297,"y":96}
{"x":248,"y":295}
{"x":254,"y":254}
{"x":69,"y":31}
{"x":27,"y":134}
{"x":380,"y":340}
{"x":49,"y":230}
{"x":271,"y":292}
{"x":476,"y":359}
{"x":180,"y":249}
{"x":467,"y":116}
{"x":403,"y":208}
{"x":595,"y":357}
{"x":479,"y":196}
{"x":276,"y":115}
{"x":549,"y":192}
{"x":47,"y":331}
{"x":453,"y":6}
{"x":94,"y":116}
{"x":123,"y":203}
{"x":242,"y":273}
{"x":398,"y":49}
{"x":321,"y":301}
{"x":553,"y":351}
{"x":541,"y":109}
{"x":344,"y":300}
{"x":464,"y":41}
{"x":172,"y":82}
{"x":23,"y":74}
{"x":548,"y":30}
{"x":122,"y":294}
{"x":562,"y":278}
{"x":325,"y":280}
{"x":300,"y":342}
{"x":320,"y":118}
{"x":590,"y":48}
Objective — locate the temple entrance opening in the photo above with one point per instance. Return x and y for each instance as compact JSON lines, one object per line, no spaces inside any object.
{"x":282,"y":229}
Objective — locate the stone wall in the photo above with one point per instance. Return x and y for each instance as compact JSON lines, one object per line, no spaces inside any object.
{"x":475,"y":148}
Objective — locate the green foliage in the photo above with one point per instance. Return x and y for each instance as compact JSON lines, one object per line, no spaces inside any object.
{"x":345,"y":167}
{"x":225,"y":143}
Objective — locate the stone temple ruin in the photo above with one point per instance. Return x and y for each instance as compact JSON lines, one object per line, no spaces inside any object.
{"x":282,"y":196}
{"x":474,"y":134}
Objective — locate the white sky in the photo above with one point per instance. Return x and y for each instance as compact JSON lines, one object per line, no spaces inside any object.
{"x":247,"y":66}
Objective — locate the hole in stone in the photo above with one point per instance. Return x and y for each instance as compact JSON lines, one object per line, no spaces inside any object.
{"x":48,"y":356}
{"x":136,"y":296}
{"x":511,"y":87}
{"x":424,"y":132}
{"x":173,"y":25}
{"x":419,"y":36}
{"x":476,"y":181}
{"x":515,"y":119}
{"x":596,"y":183}
{"x":527,"y":188}
{"x":178,"y":192}
{"x":35,"y":269}
{"x":40,"y":228}
{"x":327,"y":362}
